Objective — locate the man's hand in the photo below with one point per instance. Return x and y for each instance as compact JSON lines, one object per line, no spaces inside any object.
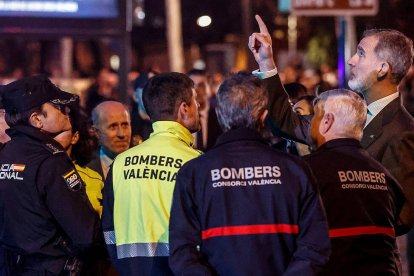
{"x":261,"y":46}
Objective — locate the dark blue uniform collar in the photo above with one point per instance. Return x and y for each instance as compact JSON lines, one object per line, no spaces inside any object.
{"x":239,"y":134}
{"x":35,"y":134}
{"x":340,"y":142}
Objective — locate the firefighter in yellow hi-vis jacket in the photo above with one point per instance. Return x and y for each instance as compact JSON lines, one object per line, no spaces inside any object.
{"x":138,"y":191}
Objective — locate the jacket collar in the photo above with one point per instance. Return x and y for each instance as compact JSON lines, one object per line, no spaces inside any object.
{"x":340,"y":142}
{"x":374,"y":129}
{"x":239,"y":134}
{"x":173,"y":129}
{"x":35,"y":134}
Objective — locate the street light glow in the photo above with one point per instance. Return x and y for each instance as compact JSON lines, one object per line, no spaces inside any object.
{"x":204,"y":21}
{"x":115,"y":62}
{"x":141,"y":15}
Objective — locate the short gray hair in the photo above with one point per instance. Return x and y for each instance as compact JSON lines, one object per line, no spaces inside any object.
{"x":395,"y":48}
{"x":349,"y":110}
{"x":241,"y":100}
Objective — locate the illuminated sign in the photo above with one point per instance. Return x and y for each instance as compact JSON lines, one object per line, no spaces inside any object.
{"x":334,"y":7}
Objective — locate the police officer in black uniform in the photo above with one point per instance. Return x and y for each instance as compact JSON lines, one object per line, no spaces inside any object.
{"x":362,"y":200}
{"x":46,"y":219}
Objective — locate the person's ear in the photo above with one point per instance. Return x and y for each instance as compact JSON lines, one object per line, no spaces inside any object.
{"x":263,"y":118}
{"x":75,"y":138}
{"x":326,"y":123}
{"x":35,"y":120}
{"x":385,"y":67}
{"x":183,"y":110}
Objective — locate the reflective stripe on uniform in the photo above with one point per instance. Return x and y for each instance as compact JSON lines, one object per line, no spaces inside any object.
{"x":364,"y":230}
{"x":142,"y":250}
{"x":250,"y":230}
{"x":109,"y":237}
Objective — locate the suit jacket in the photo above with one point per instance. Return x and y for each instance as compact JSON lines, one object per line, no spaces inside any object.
{"x":284,"y":122}
{"x":389,"y":137}
{"x":95,"y":164}
{"x":213,"y":126}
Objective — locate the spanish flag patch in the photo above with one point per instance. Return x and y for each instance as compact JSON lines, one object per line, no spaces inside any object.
{"x":18,"y":167}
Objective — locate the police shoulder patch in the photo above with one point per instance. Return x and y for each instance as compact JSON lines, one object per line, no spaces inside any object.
{"x":73,"y":180}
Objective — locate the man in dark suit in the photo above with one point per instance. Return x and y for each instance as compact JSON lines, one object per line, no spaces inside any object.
{"x":210,"y":128}
{"x":382,"y":59}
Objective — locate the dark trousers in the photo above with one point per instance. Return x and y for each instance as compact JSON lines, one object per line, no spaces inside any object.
{"x":150,"y":266}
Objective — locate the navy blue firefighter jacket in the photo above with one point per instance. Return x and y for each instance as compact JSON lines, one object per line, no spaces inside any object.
{"x":244,"y":208}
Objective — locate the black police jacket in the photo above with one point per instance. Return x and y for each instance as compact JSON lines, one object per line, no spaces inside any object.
{"x":45,"y":215}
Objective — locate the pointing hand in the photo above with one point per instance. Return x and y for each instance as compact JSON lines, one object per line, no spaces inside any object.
{"x":260,"y":44}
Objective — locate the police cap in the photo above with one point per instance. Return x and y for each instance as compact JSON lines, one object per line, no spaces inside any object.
{"x":30,"y":92}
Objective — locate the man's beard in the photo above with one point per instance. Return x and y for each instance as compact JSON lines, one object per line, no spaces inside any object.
{"x":195,"y":127}
{"x":356,"y":85}
{"x":360,"y":86}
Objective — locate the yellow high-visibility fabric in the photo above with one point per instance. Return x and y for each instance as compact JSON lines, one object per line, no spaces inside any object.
{"x":94,"y":185}
{"x":143,"y":180}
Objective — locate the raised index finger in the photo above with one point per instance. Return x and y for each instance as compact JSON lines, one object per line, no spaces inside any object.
{"x":262,"y":26}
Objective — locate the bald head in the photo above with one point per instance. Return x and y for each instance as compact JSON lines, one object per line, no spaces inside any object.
{"x":112,"y":123}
